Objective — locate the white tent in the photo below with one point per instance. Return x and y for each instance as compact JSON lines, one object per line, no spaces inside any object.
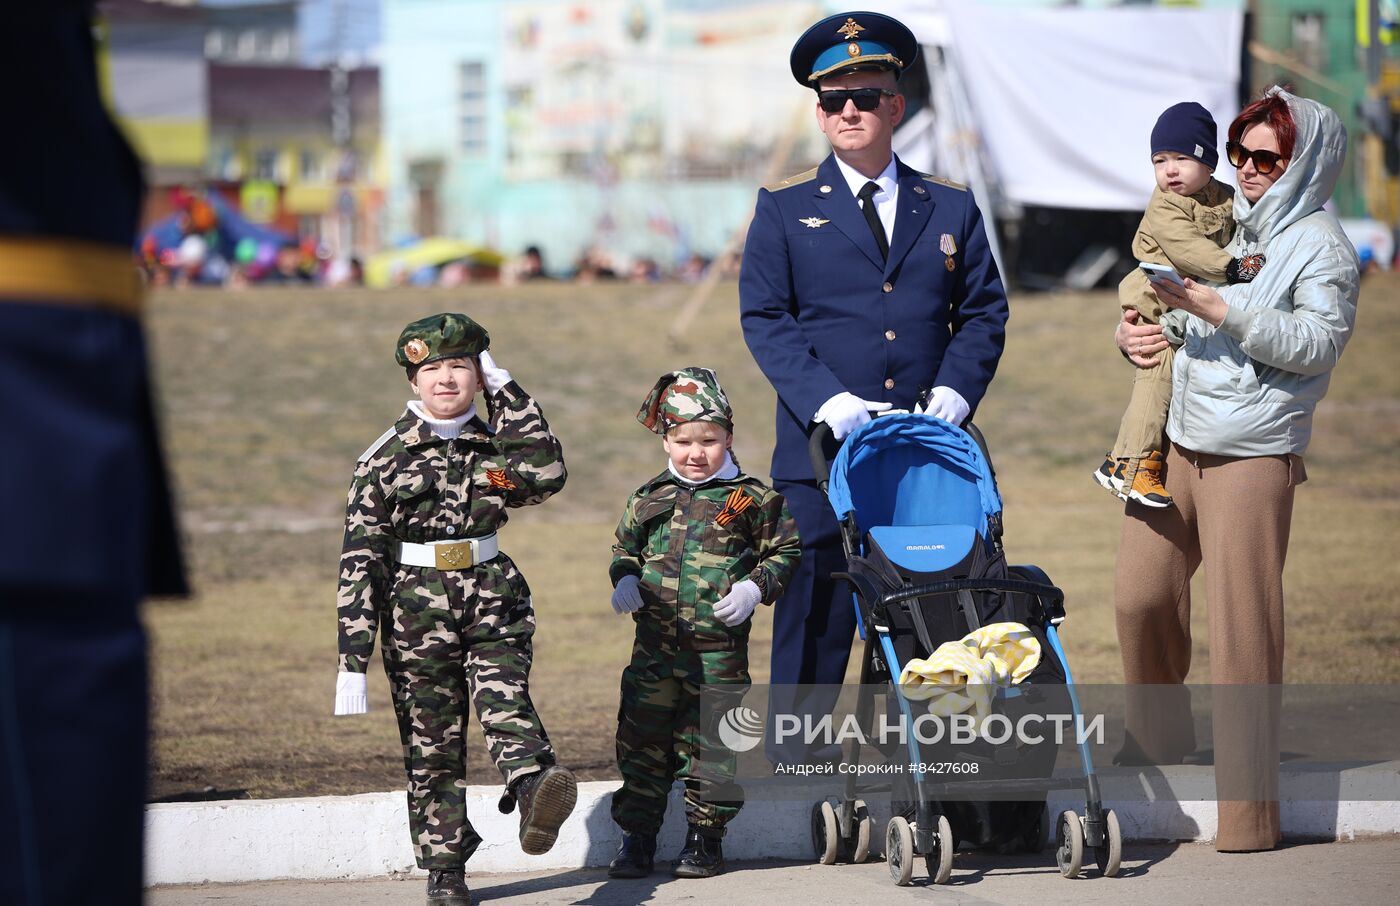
{"x":1054,"y":106}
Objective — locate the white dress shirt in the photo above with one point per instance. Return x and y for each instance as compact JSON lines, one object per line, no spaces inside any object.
{"x":885,"y":199}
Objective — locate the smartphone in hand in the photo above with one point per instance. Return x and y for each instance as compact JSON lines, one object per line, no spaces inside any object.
{"x":1161,"y":273}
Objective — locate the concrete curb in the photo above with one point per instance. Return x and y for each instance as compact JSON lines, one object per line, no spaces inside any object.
{"x":367,"y":835}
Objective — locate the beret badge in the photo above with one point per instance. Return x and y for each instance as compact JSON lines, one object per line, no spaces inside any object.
{"x":415,"y":350}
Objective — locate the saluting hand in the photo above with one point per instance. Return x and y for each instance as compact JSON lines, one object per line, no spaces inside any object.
{"x":492,"y":375}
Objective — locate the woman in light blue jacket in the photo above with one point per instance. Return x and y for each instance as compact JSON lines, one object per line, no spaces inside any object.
{"x":1253,"y":362}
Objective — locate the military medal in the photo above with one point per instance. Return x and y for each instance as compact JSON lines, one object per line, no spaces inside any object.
{"x":948,"y":247}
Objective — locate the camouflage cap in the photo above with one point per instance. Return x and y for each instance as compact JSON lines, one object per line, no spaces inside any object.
{"x":441,"y":336}
{"x":688,"y":395}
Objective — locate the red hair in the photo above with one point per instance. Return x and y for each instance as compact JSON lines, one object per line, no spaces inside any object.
{"x":1272,"y":111}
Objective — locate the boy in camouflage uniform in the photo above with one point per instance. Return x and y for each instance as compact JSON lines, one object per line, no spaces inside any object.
{"x":698,"y":547}
{"x":420,"y":559}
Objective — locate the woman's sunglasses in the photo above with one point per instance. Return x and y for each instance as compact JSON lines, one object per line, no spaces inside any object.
{"x":867,"y":99}
{"x":1264,"y":161}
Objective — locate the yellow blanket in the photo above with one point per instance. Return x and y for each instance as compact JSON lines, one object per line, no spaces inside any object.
{"x":964,"y":675}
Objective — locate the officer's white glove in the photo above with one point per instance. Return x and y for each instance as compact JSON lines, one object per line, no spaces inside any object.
{"x":492,"y":375}
{"x":947,"y":404}
{"x":846,"y":412}
{"x":350,"y":694}
{"x":627,"y":596}
{"x":737,"y":606}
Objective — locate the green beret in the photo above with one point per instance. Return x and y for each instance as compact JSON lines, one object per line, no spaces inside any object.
{"x":688,"y":395}
{"x":443,"y":336}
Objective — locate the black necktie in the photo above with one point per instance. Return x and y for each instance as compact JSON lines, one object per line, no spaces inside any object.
{"x":867,"y":197}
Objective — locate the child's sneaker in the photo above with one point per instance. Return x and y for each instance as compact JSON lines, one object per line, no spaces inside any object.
{"x":1147,"y":486}
{"x":1110,"y":475}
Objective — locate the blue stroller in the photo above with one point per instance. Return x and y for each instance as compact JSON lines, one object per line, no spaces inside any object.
{"x":921,"y":526}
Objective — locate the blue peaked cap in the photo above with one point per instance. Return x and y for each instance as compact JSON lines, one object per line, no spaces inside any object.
{"x":855,"y":40}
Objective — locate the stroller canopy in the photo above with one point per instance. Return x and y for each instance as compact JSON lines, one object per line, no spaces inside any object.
{"x":913,"y":470}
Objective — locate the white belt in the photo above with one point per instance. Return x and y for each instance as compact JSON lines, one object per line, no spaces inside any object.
{"x":462,"y":554}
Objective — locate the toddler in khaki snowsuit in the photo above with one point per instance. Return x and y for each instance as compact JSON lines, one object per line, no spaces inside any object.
{"x":1186,"y":225}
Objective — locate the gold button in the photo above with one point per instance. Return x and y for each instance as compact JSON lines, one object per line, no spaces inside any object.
{"x":888,"y":287}
{"x":889,"y":335}
{"x":889,"y":383}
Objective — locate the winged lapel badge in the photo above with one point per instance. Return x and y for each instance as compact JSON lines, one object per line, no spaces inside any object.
{"x":812,"y":222}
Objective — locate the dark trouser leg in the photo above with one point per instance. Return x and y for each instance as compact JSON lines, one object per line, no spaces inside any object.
{"x":646,"y":756}
{"x":705,"y":765}
{"x":73,"y":728}
{"x":813,"y":622}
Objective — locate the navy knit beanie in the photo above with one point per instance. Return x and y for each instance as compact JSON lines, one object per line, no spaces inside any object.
{"x":1189,"y":129}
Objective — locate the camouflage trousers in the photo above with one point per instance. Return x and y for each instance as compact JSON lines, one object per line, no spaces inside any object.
{"x":455,"y":635}
{"x":660,"y":739}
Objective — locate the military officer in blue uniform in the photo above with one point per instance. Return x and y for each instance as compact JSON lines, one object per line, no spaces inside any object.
{"x":865,"y":283}
{"x":87,"y":528}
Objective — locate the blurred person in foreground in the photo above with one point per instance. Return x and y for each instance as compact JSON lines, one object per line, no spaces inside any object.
{"x":865,"y":285}
{"x":88,"y":528}
{"x":421,"y":567}
{"x":1252,"y":362}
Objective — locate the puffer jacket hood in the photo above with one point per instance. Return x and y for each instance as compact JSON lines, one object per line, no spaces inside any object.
{"x":1319,"y":151}
{"x":1249,"y":386}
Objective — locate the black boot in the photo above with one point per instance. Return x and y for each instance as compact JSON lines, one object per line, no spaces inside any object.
{"x":545,"y":799}
{"x":635,"y":856}
{"x":448,"y":888}
{"x":703,"y":856}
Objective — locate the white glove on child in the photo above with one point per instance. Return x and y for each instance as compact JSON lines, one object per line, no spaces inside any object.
{"x":627,"y":596}
{"x":846,"y":412}
{"x":492,"y":375}
{"x":947,"y":404}
{"x":350,"y":694}
{"x":737,"y":606}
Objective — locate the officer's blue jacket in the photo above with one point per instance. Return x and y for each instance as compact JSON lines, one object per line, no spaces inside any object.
{"x":821,"y":312}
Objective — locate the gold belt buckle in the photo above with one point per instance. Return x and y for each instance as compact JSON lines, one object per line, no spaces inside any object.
{"x":453,"y":556}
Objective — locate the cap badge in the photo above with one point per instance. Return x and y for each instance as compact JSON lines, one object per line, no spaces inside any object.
{"x":850,"y":30}
{"x":415,"y":351}
{"x":812,"y":222}
{"x":853,"y":49}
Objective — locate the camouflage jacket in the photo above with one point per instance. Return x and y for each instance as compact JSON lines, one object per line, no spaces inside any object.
{"x":689,"y":545}
{"x":415,"y":486}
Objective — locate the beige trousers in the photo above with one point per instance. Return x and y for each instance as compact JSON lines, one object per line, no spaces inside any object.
{"x":1231,"y":515}
{"x":1140,"y":431}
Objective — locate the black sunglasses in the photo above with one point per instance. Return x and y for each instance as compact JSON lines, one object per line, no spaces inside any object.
{"x":834,"y":100}
{"x":1264,"y":161}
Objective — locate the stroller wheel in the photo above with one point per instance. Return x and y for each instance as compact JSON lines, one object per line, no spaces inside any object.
{"x":1110,"y":855}
{"x":1069,"y":854}
{"x":858,"y":844}
{"x":825,"y":839}
{"x":1034,"y":839}
{"x":940,"y":861}
{"x":899,"y":850}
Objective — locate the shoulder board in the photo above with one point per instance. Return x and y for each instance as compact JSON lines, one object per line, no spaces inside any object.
{"x":791,"y":181}
{"x":377,"y":445}
{"x":961,"y":187}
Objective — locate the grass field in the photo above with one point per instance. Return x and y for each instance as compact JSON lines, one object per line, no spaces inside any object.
{"x":268,"y":397}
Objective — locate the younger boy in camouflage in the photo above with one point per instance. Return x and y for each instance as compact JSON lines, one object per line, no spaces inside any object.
{"x":698,"y":547}
{"x":420,"y":560}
